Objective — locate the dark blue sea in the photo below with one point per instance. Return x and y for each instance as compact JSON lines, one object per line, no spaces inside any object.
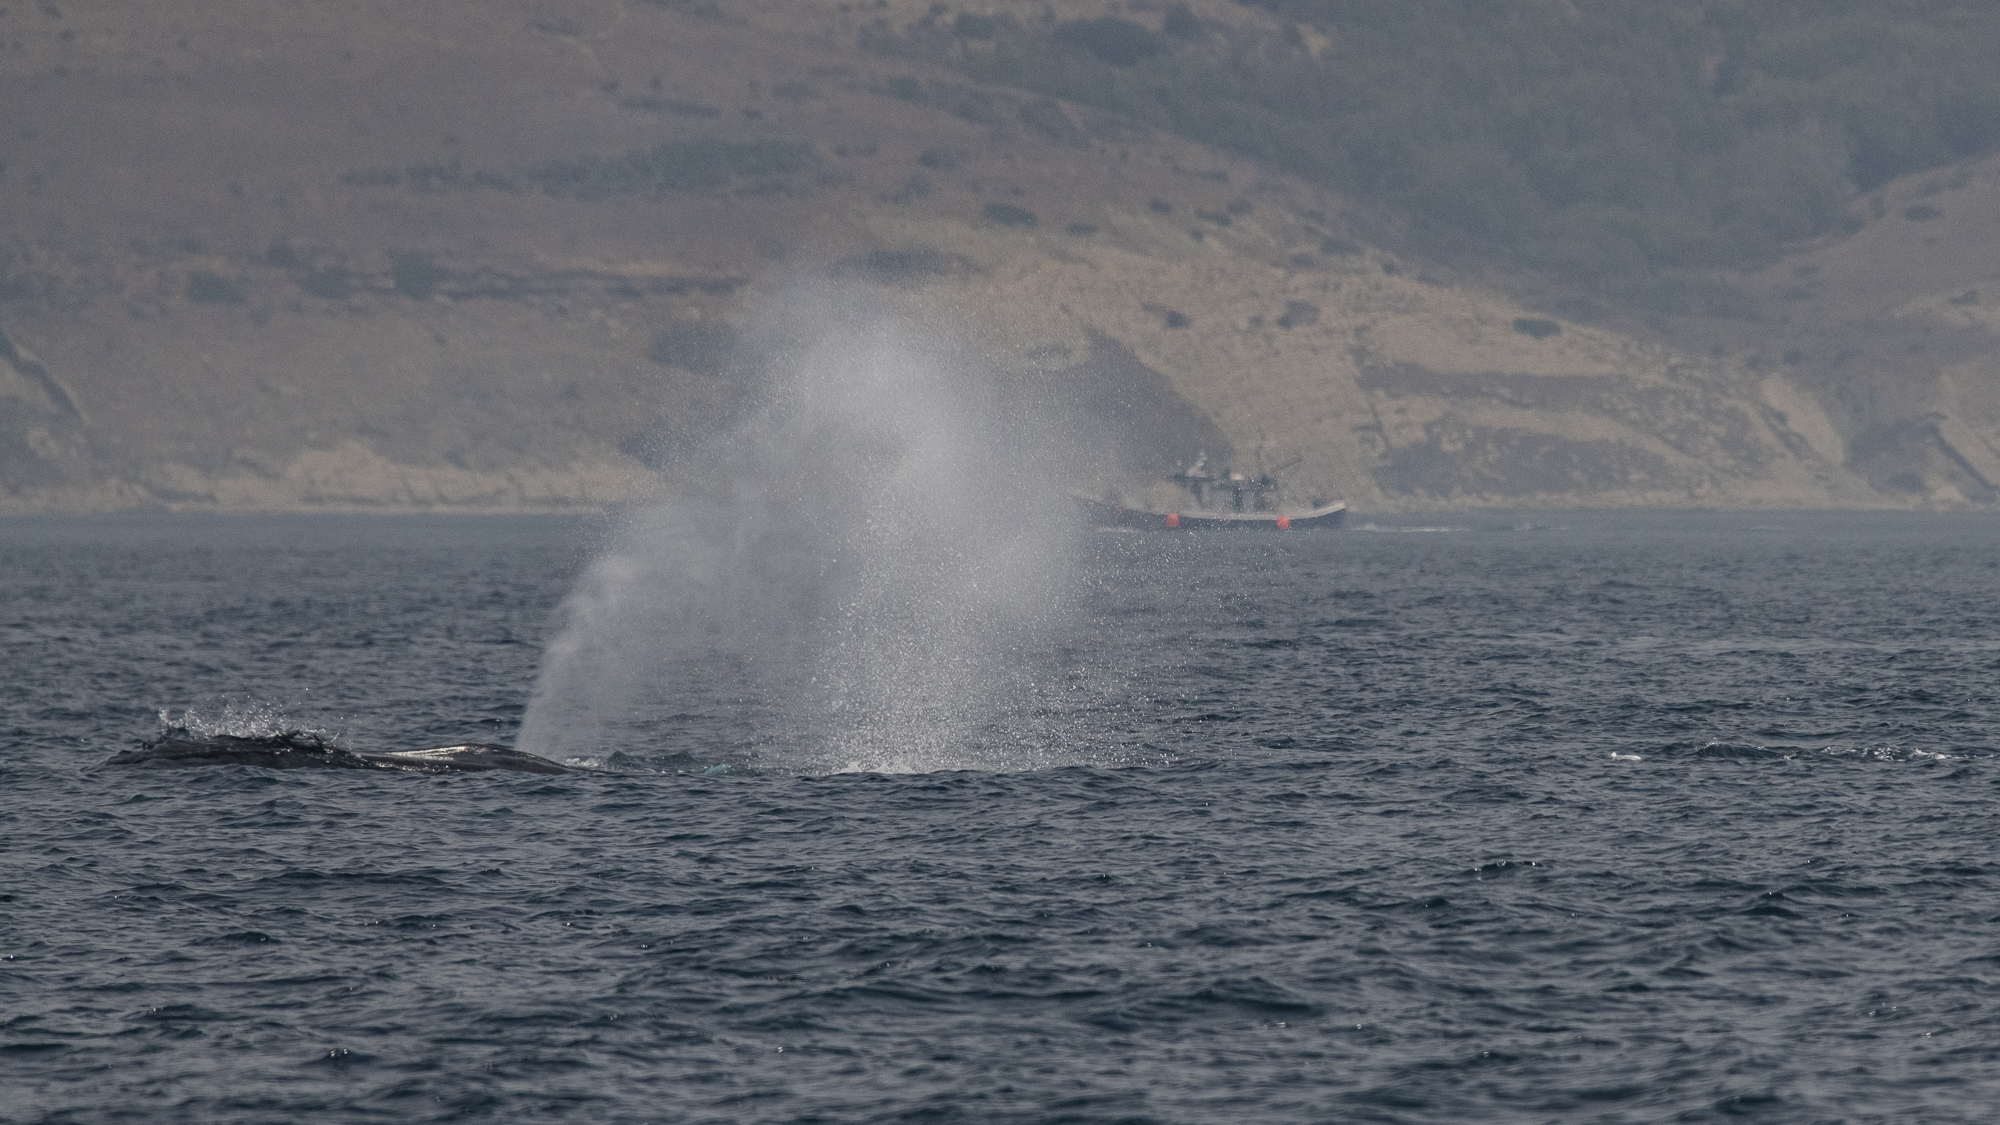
{"x":1592,"y":818}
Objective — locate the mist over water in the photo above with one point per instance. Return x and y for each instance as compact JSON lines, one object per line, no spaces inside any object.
{"x":874,"y":570}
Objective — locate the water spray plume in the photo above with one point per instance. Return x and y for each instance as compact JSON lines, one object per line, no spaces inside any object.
{"x":865,"y":573}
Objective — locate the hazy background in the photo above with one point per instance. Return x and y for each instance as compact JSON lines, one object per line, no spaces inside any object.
{"x":503,"y":256}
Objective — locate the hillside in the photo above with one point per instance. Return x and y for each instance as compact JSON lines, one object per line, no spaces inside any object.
{"x":484,"y":255}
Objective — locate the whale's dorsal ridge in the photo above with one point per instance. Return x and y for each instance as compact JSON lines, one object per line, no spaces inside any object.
{"x":294,"y":749}
{"x":470,"y":757}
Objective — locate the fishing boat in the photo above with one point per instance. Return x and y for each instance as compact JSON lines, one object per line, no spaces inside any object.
{"x":1303,"y":519}
{"x":1225,"y":503}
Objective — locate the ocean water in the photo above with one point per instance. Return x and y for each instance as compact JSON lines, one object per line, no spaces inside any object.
{"x":1605,"y":818}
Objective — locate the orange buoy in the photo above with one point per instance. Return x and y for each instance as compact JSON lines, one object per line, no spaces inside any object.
{"x":1284,"y":523}
{"x":1173,"y":519}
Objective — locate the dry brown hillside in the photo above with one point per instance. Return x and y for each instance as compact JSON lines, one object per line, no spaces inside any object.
{"x":1887,"y":342}
{"x":469,"y":254}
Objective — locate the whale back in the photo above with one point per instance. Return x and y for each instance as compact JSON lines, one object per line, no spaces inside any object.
{"x":472,"y":757}
{"x":304,"y":750}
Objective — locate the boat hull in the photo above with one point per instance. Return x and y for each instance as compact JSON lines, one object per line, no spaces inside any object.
{"x":1309,"y":519}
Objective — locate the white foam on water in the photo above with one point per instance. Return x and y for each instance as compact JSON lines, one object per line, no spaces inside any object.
{"x":1392,"y":530}
{"x":1891,"y":754}
{"x":239,"y":720}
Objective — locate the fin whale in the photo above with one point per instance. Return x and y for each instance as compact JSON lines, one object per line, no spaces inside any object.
{"x":301,"y":750}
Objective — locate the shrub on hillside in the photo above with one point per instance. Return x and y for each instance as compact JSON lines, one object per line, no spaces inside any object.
{"x":415,"y":275}
{"x":1047,"y":119}
{"x":1182,"y":23}
{"x":1116,"y":41}
{"x":1298,"y":314}
{"x":703,"y":348}
{"x":1010,"y":216}
{"x":654,"y":103}
{"x":329,"y":283}
{"x":204,"y":288}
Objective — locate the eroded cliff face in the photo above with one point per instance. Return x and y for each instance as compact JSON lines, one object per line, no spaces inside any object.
{"x":1886,"y":343}
{"x":496,"y":256}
